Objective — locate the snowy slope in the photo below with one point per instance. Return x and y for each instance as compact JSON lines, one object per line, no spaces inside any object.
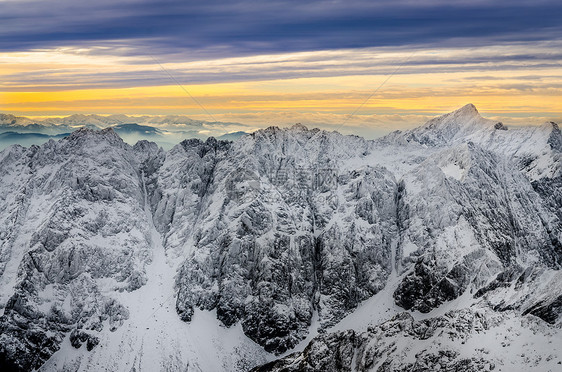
{"x":479,"y":230}
{"x":403,"y":253}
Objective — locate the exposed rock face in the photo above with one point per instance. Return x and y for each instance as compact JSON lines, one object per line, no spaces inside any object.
{"x":489,"y":218}
{"x":78,"y":338}
{"x":391,"y":346}
{"x":77,"y":219}
{"x":479,"y":213}
{"x":282,"y":231}
{"x":333,"y":352}
{"x":334,"y":233}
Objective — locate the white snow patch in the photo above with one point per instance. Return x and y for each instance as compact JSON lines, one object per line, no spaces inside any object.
{"x":453,"y":170}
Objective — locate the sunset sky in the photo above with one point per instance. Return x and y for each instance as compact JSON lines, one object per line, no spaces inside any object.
{"x":392,"y":64}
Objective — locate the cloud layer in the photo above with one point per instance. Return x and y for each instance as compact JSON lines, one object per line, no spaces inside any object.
{"x":223,"y":28}
{"x":310,"y":61}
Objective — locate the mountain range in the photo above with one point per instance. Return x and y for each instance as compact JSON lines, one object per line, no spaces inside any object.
{"x":99,"y":121}
{"x":166,"y":131}
{"x":287,"y":249}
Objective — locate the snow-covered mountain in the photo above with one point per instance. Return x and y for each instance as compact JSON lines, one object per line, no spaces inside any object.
{"x":9,"y":119}
{"x":166,"y":131}
{"x":439,"y":247}
{"x":94,"y":121}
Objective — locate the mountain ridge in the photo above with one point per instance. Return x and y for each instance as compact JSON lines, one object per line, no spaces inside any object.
{"x":279,"y":236}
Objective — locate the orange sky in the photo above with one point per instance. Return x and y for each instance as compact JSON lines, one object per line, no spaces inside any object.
{"x":310,"y":87}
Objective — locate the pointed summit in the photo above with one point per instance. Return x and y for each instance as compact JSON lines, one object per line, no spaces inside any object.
{"x":467,"y":110}
{"x":454,"y":126}
{"x":550,"y":126}
{"x":466,"y":118}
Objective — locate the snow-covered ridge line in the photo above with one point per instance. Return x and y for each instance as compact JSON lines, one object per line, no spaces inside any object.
{"x":106,"y":246}
{"x":100,"y":121}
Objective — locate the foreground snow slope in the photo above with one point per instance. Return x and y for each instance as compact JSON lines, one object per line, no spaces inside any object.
{"x":404,"y":253}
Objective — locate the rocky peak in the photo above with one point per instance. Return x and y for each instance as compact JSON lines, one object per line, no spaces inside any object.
{"x":500,"y":126}
{"x":9,"y":119}
{"x":146,"y":148}
{"x":467,"y":110}
{"x":262,"y":236}
{"x":458,"y":119}
{"x":555,"y":138}
{"x":299,"y":127}
{"x":90,"y":137}
{"x":449,"y":128}
{"x":84,"y":131}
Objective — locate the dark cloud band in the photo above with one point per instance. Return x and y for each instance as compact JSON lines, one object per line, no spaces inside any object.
{"x":221,"y":28}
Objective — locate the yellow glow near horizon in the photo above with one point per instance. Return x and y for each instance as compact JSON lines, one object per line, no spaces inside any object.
{"x":67,"y":82}
{"x":324,"y":94}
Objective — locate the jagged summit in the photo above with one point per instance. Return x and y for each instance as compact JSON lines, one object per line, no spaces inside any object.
{"x":299,"y":127}
{"x":9,"y":119}
{"x":90,"y":136}
{"x":118,"y":257}
{"x":84,"y":131}
{"x":295,"y":128}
